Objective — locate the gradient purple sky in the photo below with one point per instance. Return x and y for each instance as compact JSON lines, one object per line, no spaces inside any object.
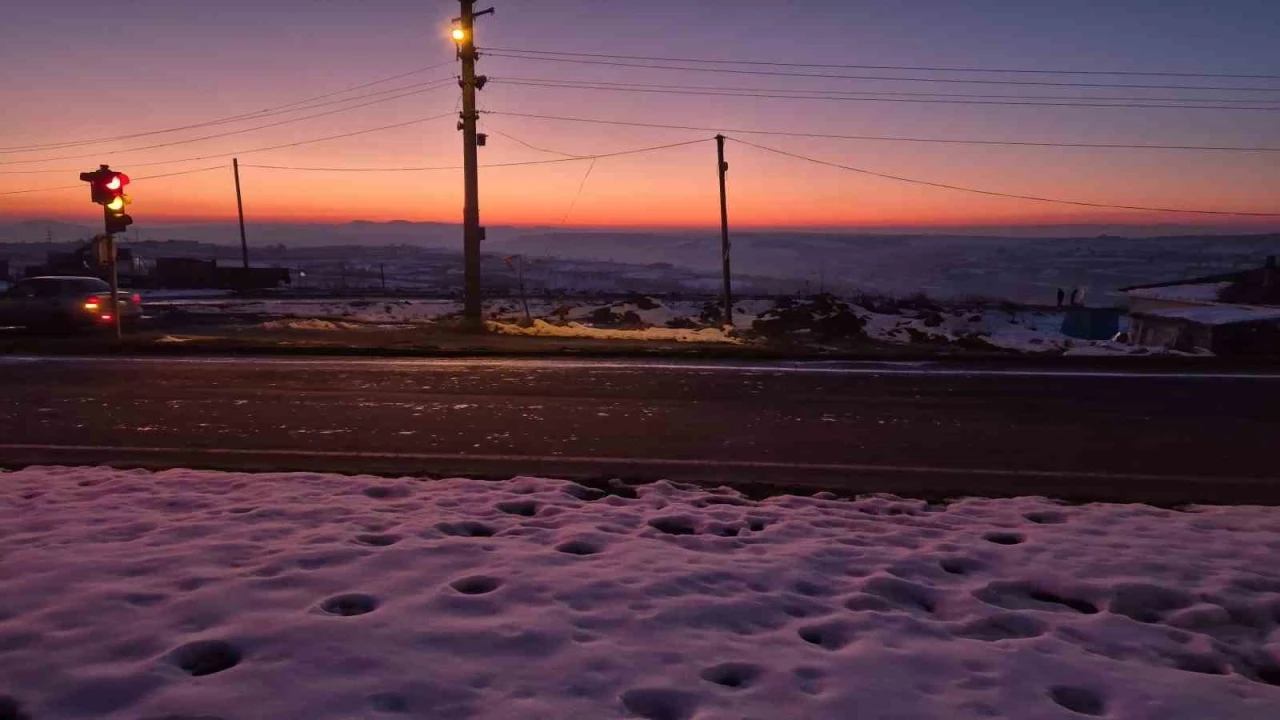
{"x":77,"y":69}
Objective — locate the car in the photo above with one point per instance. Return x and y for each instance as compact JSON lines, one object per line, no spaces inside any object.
{"x":66,"y":303}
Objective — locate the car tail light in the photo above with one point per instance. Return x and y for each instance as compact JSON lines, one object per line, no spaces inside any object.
{"x":136,"y":299}
{"x":106,"y":318}
{"x":92,"y":303}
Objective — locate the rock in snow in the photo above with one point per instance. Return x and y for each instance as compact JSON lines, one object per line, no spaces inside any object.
{"x":127,"y":594}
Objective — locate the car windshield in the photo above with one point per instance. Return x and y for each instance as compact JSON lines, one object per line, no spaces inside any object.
{"x":83,"y":285}
{"x":58,"y":287}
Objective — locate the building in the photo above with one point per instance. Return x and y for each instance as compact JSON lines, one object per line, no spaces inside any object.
{"x":196,"y":273}
{"x":1228,"y":314}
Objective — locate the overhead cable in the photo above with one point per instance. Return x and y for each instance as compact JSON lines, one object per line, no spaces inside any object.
{"x":887,"y":138}
{"x":910,"y":68}
{"x":276,"y":110}
{"x":995,"y":193}
{"x":887,"y":78}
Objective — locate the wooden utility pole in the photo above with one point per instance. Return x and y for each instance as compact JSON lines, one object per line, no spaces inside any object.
{"x":723,"y":168}
{"x":244,"y":244}
{"x":472,"y":232}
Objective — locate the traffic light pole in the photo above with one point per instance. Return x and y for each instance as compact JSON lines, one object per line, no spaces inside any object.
{"x":472,"y":233}
{"x":114,"y":280}
{"x":722,"y":169}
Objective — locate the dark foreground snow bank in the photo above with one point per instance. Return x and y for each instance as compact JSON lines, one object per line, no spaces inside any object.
{"x":198,"y":594}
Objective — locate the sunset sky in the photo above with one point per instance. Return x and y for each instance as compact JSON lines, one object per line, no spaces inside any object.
{"x":76,"y":70}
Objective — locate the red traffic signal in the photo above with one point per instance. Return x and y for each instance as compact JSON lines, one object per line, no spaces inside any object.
{"x":105,"y":184}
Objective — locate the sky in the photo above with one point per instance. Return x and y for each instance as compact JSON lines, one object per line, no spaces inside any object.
{"x":77,"y":70}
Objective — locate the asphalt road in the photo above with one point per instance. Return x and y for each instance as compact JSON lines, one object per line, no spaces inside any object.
{"x":908,"y":429}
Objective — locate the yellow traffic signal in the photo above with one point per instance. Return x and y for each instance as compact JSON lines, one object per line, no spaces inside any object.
{"x":117,"y":203}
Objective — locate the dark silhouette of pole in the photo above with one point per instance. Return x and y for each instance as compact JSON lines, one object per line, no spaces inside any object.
{"x":244,"y":243}
{"x":723,"y":168}
{"x":472,"y":233}
{"x":113,"y":279}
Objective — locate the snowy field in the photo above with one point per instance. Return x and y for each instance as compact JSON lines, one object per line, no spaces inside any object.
{"x":1023,"y":330}
{"x":190,"y":594}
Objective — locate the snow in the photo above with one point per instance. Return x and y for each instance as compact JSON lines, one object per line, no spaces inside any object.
{"x":541,"y":328}
{"x":128,"y":594}
{"x":1218,"y":314}
{"x":309,"y":324}
{"x":1202,"y":292}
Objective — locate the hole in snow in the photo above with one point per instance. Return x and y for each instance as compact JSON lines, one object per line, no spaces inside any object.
{"x":377,"y":539}
{"x":1046,"y":517}
{"x":811,"y":589}
{"x":902,"y":594}
{"x":959,"y":565}
{"x":145,"y":599}
{"x":578,"y":547}
{"x":732,"y":674}
{"x":1003,"y":626}
{"x":11,"y":710}
{"x":1019,"y":595}
{"x":660,"y":703}
{"x":386,"y":492}
{"x":389,"y":703}
{"x":526,"y":508}
{"x":1078,"y":699}
{"x":829,"y":636}
{"x":350,"y":604}
{"x":1203,"y":664}
{"x":476,"y":584}
{"x":1147,"y":603}
{"x":466,"y":528}
{"x":206,"y":657}
{"x":1005,"y":538}
{"x":674,"y":525}
{"x":1081,"y":606}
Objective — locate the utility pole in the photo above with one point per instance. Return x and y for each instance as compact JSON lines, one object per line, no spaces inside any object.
{"x":723,"y":168}
{"x":472,"y":233}
{"x":244,"y":244}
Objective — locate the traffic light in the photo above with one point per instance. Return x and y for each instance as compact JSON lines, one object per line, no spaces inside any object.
{"x":106,"y":188}
{"x":117,"y":219}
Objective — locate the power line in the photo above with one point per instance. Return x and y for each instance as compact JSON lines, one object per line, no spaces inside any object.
{"x":887,"y":93}
{"x":529,"y":145}
{"x":136,"y":179}
{"x":886,"y":138}
{"x":581,"y":186}
{"x":276,"y":110}
{"x":575,"y":158}
{"x":231,"y":132}
{"x":994,"y":193}
{"x":890,"y":78}
{"x":909,"y":68}
{"x":705,"y":93}
{"x":255,"y":150}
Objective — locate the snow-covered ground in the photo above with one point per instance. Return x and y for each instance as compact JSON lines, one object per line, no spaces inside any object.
{"x":541,"y":328}
{"x":187,"y":594}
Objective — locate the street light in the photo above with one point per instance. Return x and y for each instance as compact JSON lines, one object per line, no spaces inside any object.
{"x":458,"y":34}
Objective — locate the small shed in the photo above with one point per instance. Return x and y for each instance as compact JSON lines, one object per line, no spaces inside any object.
{"x":1221,"y":329}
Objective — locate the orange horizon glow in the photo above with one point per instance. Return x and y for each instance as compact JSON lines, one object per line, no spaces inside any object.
{"x":673,"y":188}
